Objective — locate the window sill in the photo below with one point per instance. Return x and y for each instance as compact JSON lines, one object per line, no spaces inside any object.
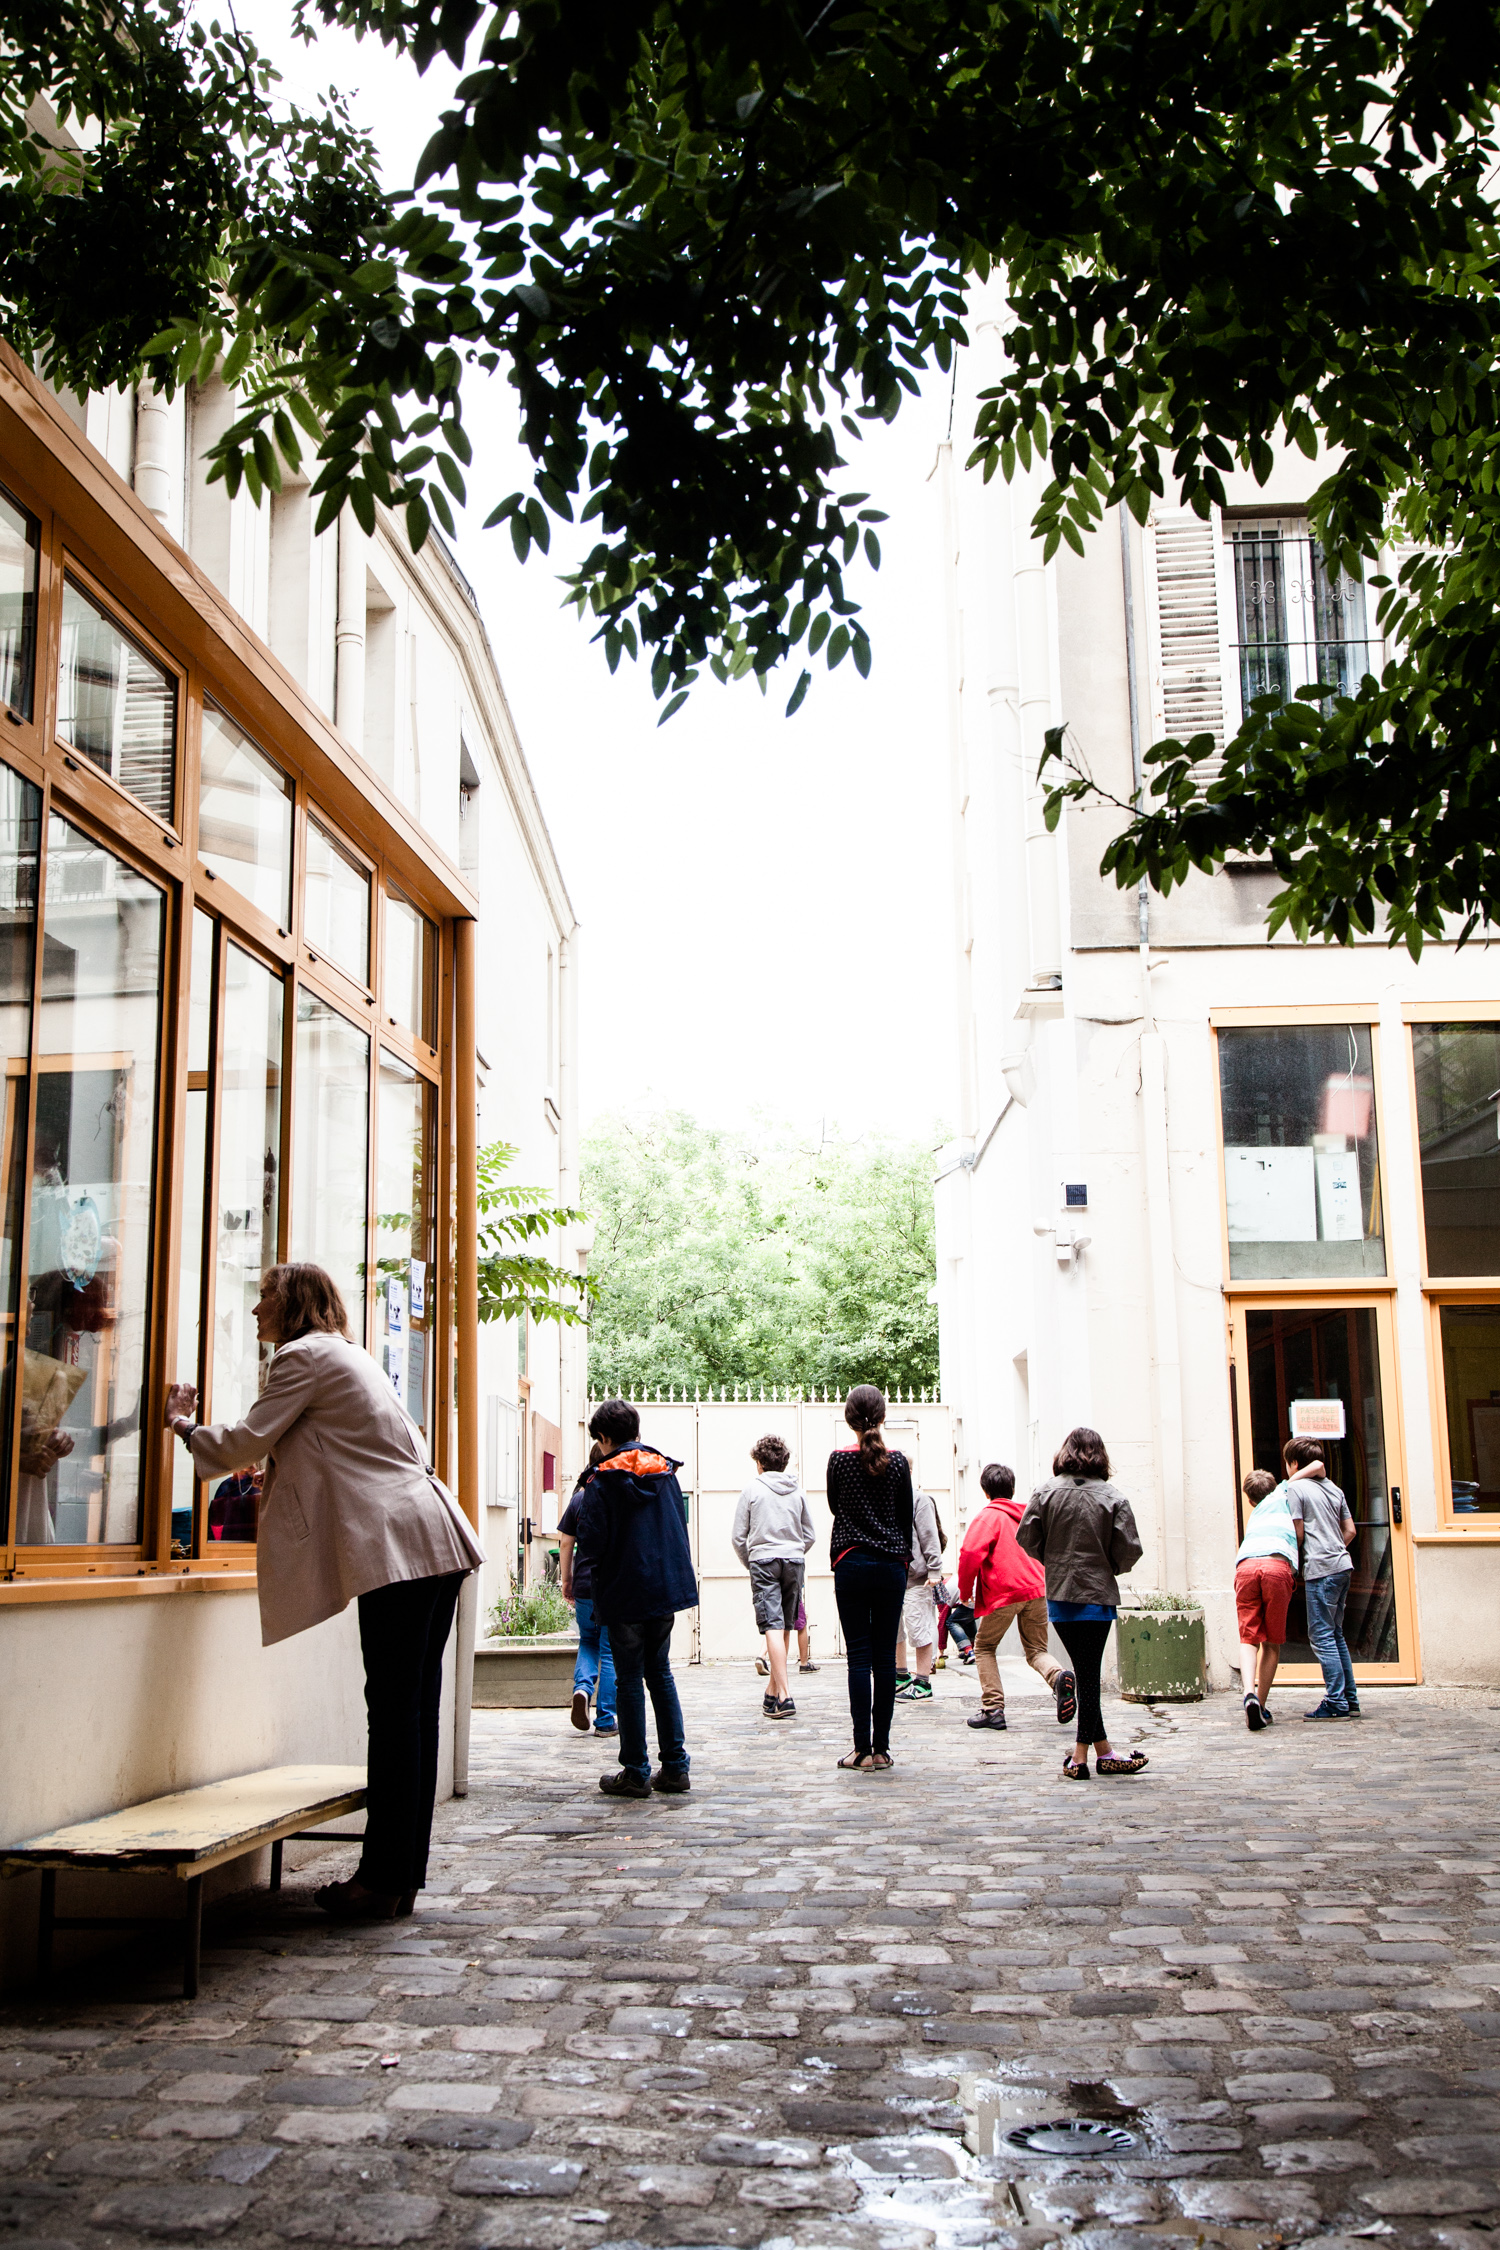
{"x":21,"y":1592}
{"x":1475,"y":1538}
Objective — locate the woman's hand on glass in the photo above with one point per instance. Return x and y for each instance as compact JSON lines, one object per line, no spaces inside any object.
{"x":182,"y":1398}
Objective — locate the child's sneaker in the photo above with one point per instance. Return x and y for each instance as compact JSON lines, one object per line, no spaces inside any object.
{"x":769,"y":1705}
{"x":915,"y":1691}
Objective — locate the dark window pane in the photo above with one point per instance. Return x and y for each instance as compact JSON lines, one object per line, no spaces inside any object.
{"x":1332,"y":1354}
{"x":410,"y":966}
{"x":20,"y":841}
{"x":92,"y":1181}
{"x":245,"y":818}
{"x":18,"y":553}
{"x":406,"y":1235}
{"x":116,"y":705}
{"x":1471,"y":1388}
{"x":1301,"y":1168}
{"x":1458,"y":1130}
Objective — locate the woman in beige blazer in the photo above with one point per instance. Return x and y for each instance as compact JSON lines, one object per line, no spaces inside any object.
{"x":350,"y":1511}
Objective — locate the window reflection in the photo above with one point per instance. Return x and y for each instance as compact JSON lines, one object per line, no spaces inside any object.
{"x":245,"y":817}
{"x":115,"y":704}
{"x":20,"y":838}
{"x":92,"y":1179}
{"x":249,"y":1182}
{"x":1458,"y":1128}
{"x":405,"y":1235}
{"x":1301,"y":1172}
{"x":336,"y":915}
{"x":330,"y":1140}
{"x":410,"y":966}
{"x":1471,"y":1398}
{"x":195,"y":1157}
{"x":18,"y":555}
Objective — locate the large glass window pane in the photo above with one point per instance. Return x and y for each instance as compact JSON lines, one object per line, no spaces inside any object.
{"x":115,"y":704}
{"x":20,"y":839}
{"x":405,"y":1234}
{"x":1458,"y":1129}
{"x":410,"y":967}
{"x":336,"y":915}
{"x":195,"y":1157}
{"x":245,"y":818}
{"x":1301,"y":1168}
{"x":1471,"y":1398}
{"x":92,"y":1182}
{"x":19,"y":544}
{"x":330,"y":1142}
{"x":1331,"y":1354}
{"x":249,"y":1186}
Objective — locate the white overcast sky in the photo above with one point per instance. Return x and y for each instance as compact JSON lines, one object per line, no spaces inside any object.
{"x":766,"y":915}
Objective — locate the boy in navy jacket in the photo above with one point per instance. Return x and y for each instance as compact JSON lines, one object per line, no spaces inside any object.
{"x":632,"y":1524}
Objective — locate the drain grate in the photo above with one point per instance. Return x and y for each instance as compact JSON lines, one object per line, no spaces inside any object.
{"x":1074,"y":2136}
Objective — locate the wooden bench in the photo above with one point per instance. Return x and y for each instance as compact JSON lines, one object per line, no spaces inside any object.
{"x":187,"y":1834}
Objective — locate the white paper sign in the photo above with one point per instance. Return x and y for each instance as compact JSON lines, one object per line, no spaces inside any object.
{"x":1317,"y":1417}
{"x":395,"y":1334}
{"x":418,"y":1289}
{"x":1340,"y":1206}
{"x":1269,"y":1195}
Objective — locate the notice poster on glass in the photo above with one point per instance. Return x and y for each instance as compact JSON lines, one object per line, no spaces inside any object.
{"x":395,"y":1334}
{"x":416,"y":1377}
{"x":417,"y":1299}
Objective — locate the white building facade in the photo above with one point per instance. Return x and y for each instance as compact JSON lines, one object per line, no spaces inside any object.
{"x":1207,"y":1188}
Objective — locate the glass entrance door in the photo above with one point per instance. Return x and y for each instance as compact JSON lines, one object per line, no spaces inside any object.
{"x":1339,"y":1356}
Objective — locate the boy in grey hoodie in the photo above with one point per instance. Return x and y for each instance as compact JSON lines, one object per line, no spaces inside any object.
{"x":773,"y":1529}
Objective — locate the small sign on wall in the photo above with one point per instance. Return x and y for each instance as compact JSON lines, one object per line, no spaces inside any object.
{"x":1317,"y":1417}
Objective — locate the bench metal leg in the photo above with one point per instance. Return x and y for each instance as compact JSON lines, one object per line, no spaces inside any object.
{"x":193,"y":1937}
{"x":45,"y":1920}
{"x":276,"y":1864}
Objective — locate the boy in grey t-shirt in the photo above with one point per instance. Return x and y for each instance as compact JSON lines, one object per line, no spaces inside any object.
{"x":1325,"y":1532}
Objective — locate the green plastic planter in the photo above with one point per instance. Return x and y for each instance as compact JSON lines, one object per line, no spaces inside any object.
{"x":1163,"y":1658}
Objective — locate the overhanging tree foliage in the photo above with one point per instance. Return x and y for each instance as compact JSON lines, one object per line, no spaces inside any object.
{"x":706,"y":241}
{"x":515,"y":1280}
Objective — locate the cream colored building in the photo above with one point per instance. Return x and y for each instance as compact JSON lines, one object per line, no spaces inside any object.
{"x":285,"y":940}
{"x":1205,"y":1183}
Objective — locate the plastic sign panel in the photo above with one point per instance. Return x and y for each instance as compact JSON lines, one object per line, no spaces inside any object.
{"x":1317,"y":1417}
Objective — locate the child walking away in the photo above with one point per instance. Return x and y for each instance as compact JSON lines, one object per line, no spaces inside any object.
{"x":633,"y":1527}
{"x":919,"y":1622}
{"x":773,"y":1529}
{"x":1008,"y":1588}
{"x":869,"y":1491}
{"x":1265,"y":1574}
{"x":1081,"y":1529}
{"x":1325,"y":1533}
{"x":595,"y":1662}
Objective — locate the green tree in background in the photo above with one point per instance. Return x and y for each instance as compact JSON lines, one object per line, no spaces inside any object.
{"x":758,"y":1257}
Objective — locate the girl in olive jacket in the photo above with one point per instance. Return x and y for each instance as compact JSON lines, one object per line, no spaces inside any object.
{"x":1081,"y":1529}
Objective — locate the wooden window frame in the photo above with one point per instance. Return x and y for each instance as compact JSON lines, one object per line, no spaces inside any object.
{"x":92,"y":528}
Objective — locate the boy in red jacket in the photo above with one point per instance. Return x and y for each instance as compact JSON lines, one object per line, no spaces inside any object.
{"x":1005,"y":1584}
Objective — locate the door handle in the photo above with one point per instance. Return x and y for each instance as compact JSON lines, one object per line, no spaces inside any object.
{"x":1395,"y":1503}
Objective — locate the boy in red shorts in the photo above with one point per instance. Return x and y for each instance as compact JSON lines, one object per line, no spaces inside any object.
{"x":1265,"y":1572}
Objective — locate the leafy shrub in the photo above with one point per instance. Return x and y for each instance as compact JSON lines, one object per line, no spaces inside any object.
{"x":1189,"y":1602}
{"x":540,"y":1609}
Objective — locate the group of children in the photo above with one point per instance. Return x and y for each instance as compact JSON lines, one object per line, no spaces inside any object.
{"x":1301,"y":1522}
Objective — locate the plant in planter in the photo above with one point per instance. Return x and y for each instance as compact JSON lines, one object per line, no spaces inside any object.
{"x":522,"y":1615}
{"x":1163,"y":1654}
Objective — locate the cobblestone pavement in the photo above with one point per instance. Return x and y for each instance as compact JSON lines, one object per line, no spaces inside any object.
{"x":802,"y":2008}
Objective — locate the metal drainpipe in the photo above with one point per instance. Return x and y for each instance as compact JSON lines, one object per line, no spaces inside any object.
{"x":466,"y":1282}
{"x":1161,"y":1260}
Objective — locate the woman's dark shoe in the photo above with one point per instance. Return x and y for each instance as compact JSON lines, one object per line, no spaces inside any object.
{"x":626,"y":1783}
{"x":352,"y":1902}
{"x":768,"y":1704}
{"x":809,"y":1667}
{"x":406,"y":1905}
{"x":1074,"y":1773}
{"x":1117,"y":1764}
{"x":785,"y":1709}
{"x":1065,"y":1689}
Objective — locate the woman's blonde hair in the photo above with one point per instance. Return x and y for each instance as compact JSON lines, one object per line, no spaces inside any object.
{"x":307,"y":1302}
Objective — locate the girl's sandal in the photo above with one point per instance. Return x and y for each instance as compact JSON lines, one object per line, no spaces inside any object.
{"x":1132,"y":1764}
{"x":1074,"y":1773}
{"x":881,"y":1761}
{"x":858,"y":1761}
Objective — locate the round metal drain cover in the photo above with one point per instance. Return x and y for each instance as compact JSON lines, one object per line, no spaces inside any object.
{"x":1074,"y":2136}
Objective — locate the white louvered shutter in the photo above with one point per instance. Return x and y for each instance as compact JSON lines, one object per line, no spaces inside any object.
{"x":1184,"y":570}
